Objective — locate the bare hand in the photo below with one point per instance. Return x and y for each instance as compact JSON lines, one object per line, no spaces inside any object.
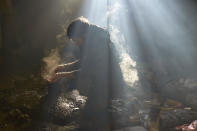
{"x":59,"y":68}
{"x":54,"y":78}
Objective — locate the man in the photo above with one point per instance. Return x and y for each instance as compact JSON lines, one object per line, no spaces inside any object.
{"x":94,"y":58}
{"x":97,"y":69}
{"x":85,"y":36}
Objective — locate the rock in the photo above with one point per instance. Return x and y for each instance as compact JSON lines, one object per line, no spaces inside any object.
{"x":189,"y":127}
{"x":137,"y":128}
{"x":183,"y":90}
{"x":66,"y":107}
{"x":173,"y":118}
{"x":191,"y":100}
{"x":18,"y":116}
{"x":53,"y":127}
{"x":28,"y":98}
{"x":122,"y":111}
{"x":75,"y":96}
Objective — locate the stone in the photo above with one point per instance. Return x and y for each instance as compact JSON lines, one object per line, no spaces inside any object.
{"x":123,"y":112}
{"x":172,"y":118}
{"x":183,"y":90}
{"x":137,"y":128}
{"x":67,"y":107}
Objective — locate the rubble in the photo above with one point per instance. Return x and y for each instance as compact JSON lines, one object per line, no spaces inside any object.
{"x":137,"y":128}
{"x":185,"y":127}
{"x":183,"y":90}
{"x":124,"y":113}
{"x":66,"y":107}
{"x":173,"y":118}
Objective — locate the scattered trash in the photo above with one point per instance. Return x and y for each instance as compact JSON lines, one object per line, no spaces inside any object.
{"x":173,"y":104}
{"x":172,"y":118}
{"x":185,"y":127}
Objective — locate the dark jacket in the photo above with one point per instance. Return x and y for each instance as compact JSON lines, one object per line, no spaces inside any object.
{"x":100,"y":77}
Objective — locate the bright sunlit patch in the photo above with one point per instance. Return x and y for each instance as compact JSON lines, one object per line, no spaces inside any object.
{"x":51,"y":61}
{"x":129,"y":72}
{"x":95,"y":11}
{"x":113,"y":9}
{"x":127,"y":65}
{"x":103,"y":11}
{"x":64,"y":106}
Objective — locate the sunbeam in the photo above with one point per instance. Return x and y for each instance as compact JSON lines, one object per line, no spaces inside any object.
{"x":98,"y":65}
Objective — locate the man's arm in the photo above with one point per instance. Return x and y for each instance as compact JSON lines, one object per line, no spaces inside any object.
{"x":60,"y":75}
{"x":67,"y":74}
{"x":64,"y":66}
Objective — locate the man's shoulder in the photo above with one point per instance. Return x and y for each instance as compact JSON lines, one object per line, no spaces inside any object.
{"x":99,"y":31}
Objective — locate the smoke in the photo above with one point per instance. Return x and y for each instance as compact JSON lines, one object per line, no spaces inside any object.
{"x":70,"y":9}
{"x":67,"y":10}
{"x":51,"y":62}
{"x":113,"y":9}
{"x":127,"y":65}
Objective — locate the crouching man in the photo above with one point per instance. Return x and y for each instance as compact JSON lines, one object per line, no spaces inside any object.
{"x":93,"y":75}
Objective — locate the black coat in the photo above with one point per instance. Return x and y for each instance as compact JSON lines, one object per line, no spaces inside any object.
{"x":100,"y":78}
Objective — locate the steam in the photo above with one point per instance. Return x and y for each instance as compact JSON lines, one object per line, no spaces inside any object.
{"x":127,"y":65}
{"x":68,"y":10}
{"x":113,"y":9}
{"x":51,"y":62}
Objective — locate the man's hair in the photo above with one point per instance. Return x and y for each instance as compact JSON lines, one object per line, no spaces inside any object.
{"x":78,"y":27}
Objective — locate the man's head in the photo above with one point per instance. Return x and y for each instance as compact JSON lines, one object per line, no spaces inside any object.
{"x":78,"y":29}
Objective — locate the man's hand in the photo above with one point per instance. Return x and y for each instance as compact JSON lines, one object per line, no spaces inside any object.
{"x":54,"y":78}
{"x":59,"y":68}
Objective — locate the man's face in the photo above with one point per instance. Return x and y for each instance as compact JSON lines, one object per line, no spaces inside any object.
{"x":78,"y":41}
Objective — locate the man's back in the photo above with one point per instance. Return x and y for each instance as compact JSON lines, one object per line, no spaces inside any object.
{"x":93,"y":80}
{"x":95,"y":57}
